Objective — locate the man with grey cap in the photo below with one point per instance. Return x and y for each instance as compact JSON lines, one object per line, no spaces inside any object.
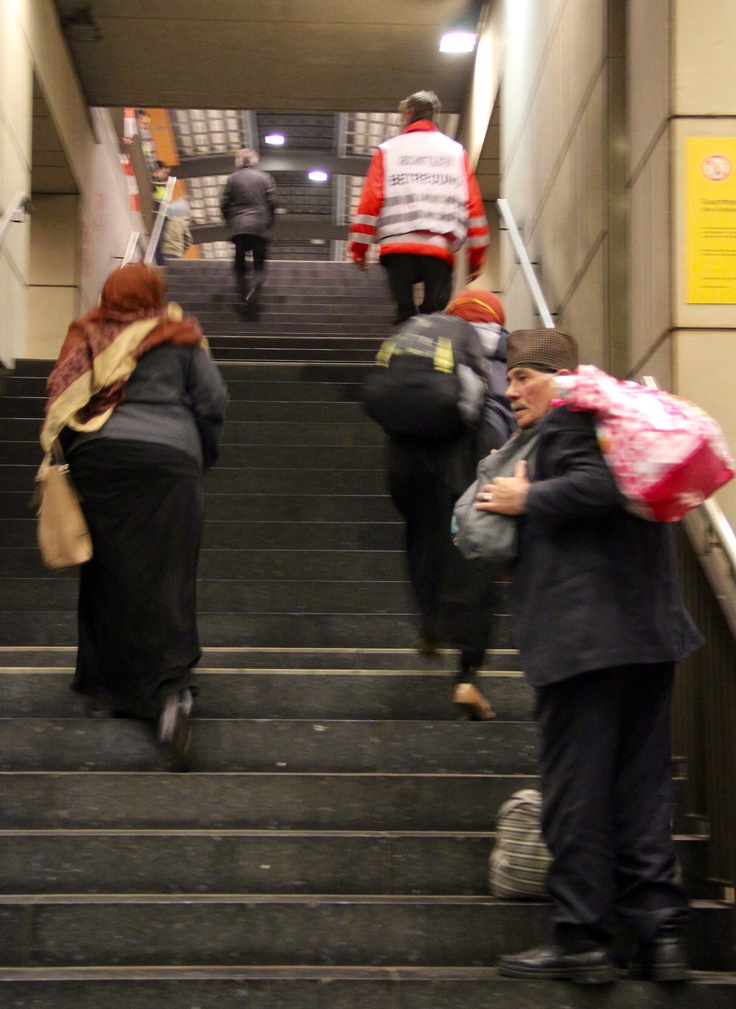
{"x":421,"y":202}
{"x":600,"y":625}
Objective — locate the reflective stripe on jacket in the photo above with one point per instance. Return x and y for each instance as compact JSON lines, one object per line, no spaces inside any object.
{"x":421,"y":196}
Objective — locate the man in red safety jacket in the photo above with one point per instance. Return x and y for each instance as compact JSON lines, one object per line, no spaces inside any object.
{"x":421,"y":202}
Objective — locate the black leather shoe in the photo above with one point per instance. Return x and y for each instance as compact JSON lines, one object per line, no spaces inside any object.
{"x":550,"y":962}
{"x":663,"y":958}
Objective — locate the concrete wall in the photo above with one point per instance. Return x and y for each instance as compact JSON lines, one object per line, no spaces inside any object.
{"x":52,"y":266}
{"x":681,"y":84}
{"x":16,"y":91}
{"x":559,"y":84}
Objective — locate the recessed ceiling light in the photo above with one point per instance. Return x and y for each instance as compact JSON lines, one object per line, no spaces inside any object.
{"x":276,"y":139}
{"x":318,"y":176}
{"x":457,"y":42}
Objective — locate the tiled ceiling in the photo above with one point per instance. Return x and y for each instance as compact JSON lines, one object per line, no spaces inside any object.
{"x":318,"y":211}
{"x":231,"y":71}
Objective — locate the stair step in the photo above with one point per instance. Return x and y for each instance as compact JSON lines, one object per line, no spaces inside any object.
{"x":239,"y":800}
{"x":213,"y":929}
{"x":20,"y":534}
{"x":321,"y":987}
{"x":285,"y":629}
{"x":293,"y":693}
{"x":258,"y":861}
{"x":273,"y":744}
{"x":243,"y":861}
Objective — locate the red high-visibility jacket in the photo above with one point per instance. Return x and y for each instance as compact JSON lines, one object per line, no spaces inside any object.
{"x":393,"y":210}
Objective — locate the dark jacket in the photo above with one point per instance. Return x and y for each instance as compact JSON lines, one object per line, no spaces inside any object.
{"x":594,"y":587}
{"x":248,"y":202}
{"x":175,"y":397}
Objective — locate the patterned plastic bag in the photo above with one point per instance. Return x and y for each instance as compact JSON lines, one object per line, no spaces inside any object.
{"x":666,"y":454}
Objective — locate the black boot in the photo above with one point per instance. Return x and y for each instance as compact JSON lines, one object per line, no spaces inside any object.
{"x":663,"y":958}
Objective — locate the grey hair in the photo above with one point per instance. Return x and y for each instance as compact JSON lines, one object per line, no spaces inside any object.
{"x":246,"y":158}
{"x":424,"y":105}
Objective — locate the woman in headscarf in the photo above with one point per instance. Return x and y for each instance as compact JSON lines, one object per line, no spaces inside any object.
{"x":137,"y":405}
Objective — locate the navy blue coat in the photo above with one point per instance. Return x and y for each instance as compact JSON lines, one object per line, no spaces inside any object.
{"x":594,"y":586}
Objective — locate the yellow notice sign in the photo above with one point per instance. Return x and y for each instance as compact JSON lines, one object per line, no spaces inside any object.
{"x":711,"y":220}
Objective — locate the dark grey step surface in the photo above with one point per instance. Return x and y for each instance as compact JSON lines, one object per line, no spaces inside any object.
{"x":20,"y":534}
{"x":242,"y":861}
{"x":245,"y":800}
{"x":340,"y":457}
{"x":20,"y":479}
{"x":263,"y":411}
{"x":341,"y":988}
{"x":298,"y":693}
{"x":259,"y":507}
{"x":175,"y":929}
{"x":272,"y":744}
{"x":285,"y":629}
{"x":278,"y":432}
{"x":369,"y":862}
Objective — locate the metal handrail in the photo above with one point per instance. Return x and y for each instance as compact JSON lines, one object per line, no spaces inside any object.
{"x":135,"y":237}
{"x":18,"y":206}
{"x":159,"y":222}
{"x":525,"y":262}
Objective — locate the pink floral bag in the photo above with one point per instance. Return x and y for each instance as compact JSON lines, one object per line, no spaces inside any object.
{"x":666,"y":454}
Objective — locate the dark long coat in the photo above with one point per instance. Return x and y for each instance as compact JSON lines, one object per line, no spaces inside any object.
{"x":594,"y":587}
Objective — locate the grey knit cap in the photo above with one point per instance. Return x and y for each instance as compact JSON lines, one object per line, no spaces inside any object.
{"x":542,"y":349}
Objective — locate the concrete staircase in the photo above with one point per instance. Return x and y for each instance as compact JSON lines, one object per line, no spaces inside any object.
{"x":312,"y":312}
{"x":330,"y":846}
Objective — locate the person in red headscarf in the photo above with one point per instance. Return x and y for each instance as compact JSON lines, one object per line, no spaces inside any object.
{"x":426,"y":476}
{"x":137,"y":405}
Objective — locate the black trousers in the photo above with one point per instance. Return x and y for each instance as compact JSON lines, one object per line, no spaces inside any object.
{"x":607,"y":797}
{"x":258,"y":247}
{"x":457,"y":599}
{"x":406,"y":269}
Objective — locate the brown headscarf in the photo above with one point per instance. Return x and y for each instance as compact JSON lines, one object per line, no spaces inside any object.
{"x":107,"y":343}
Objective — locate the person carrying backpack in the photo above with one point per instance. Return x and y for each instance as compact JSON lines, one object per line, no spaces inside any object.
{"x":437,"y":391}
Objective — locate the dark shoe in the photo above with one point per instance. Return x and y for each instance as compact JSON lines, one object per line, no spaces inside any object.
{"x":174,"y":730}
{"x":472,"y":704}
{"x":428,"y":646}
{"x":663,"y":958}
{"x":550,"y":962}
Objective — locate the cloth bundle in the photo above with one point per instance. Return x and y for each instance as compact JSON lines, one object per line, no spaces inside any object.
{"x":518,"y":863}
{"x":666,"y":454}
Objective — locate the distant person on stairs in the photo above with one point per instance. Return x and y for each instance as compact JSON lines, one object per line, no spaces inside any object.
{"x":137,"y":404}
{"x":176,"y":237}
{"x":600,"y":625}
{"x":457,"y":600}
{"x":248,"y":204}
{"x":421,"y":202}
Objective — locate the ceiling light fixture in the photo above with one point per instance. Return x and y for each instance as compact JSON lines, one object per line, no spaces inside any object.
{"x":318,"y":176}
{"x":275,"y":139}
{"x":458,"y":40}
